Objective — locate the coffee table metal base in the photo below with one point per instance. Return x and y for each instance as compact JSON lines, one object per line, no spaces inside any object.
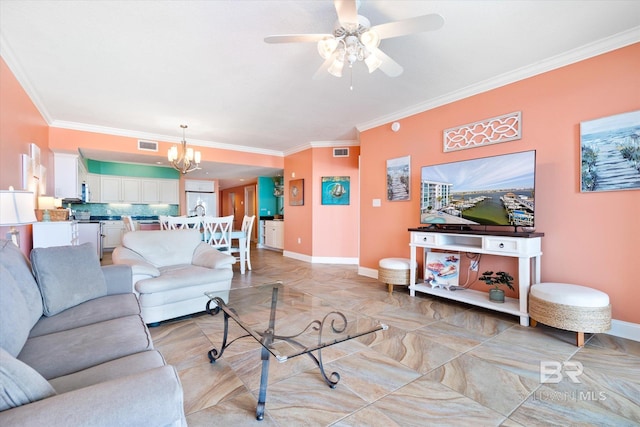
{"x":338,"y":323}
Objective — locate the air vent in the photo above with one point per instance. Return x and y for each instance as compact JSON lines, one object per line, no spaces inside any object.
{"x":147,"y":145}
{"x":340,"y":152}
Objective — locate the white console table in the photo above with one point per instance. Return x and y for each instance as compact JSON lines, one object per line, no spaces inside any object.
{"x":524,"y":246}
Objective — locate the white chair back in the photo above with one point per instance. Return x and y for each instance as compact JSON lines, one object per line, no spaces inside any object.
{"x":128,"y":223}
{"x":182,"y":222}
{"x":164,"y":222}
{"x":247,"y":228}
{"x":217,"y":231}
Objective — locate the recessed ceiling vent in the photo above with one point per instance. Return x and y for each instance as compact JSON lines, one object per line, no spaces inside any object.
{"x":147,"y":145}
{"x":340,"y":152}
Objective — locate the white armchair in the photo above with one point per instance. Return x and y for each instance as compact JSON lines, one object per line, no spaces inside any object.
{"x":171,"y":270}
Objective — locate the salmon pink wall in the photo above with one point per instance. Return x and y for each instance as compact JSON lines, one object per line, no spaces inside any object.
{"x":20,"y":124}
{"x":335,"y":228}
{"x":299,"y":219}
{"x":590,"y":238}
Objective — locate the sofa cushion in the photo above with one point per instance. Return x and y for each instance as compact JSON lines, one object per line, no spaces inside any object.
{"x":80,"y":348}
{"x":164,"y":247}
{"x":113,"y":369}
{"x":19,"y":268}
{"x":93,"y":311}
{"x":14,"y":314}
{"x":67,"y":276}
{"x":19,"y":383}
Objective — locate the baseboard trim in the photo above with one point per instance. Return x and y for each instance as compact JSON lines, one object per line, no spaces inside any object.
{"x":368,"y":272}
{"x":622,"y":329}
{"x":320,"y":260}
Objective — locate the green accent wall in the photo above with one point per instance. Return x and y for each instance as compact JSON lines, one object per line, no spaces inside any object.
{"x":127,"y":169}
{"x":266,"y":200}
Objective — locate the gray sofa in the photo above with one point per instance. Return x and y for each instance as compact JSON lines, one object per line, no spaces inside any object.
{"x":171,"y":271}
{"x":74,"y":349}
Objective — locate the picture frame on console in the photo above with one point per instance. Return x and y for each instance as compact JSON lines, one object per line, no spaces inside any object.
{"x":610,"y":153}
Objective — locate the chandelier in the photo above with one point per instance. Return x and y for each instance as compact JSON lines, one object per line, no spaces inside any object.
{"x":184,"y":159}
{"x":351,"y":43}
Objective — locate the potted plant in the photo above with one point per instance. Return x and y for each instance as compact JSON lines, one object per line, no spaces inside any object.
{"x":496,"y":280}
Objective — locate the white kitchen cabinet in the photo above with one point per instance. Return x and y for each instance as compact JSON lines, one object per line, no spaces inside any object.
{"x":159,"y":191}
{"x":93,"y":182}
{"x":113,"y":232}
{"x":168,"y":190}
{"x":199,"y":185}
{"x":150,"y":190}
{"x":117,"y":189}
{"x":65,"y":176}
{"x":55,"y":233}
{"x":274,"y":234}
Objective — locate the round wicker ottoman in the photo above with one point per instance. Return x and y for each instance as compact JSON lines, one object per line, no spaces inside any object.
{"x":394,"y":271}
{"x":570,"y":307}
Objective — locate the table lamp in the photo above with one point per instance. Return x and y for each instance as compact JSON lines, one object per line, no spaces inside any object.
{"x":16,"y":208}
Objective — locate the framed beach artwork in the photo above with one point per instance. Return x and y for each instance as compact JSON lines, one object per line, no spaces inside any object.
{"x":398,"y":179}
{"x":610,"y":153}
{"x":335,"y":190}
{"x":296,"y":192}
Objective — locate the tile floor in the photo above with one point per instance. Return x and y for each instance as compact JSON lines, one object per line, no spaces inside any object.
{"x":439,"y":363}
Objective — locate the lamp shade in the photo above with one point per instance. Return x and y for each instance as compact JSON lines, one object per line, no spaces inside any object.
{"x":16,"y":207}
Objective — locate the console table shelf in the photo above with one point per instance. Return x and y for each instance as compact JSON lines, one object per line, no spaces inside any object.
{"x":524,"y":246}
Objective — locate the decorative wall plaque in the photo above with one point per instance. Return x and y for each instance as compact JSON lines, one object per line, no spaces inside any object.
{"x":485,"y":132}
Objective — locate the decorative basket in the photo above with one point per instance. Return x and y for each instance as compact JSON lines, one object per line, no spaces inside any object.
{"x":55,"y":214}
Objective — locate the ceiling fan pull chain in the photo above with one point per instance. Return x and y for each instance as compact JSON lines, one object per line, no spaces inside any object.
{"x":351,"y":73}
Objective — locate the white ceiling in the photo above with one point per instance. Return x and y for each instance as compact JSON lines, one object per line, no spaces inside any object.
{"x":142,"y":68}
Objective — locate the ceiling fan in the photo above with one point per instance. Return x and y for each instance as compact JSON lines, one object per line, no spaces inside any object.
{"x":354,"y":39}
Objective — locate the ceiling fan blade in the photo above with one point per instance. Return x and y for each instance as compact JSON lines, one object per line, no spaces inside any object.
{"x":295,"y":38}
{"x":323,"y":70}
{"x":347,"y":11}
{"x":390,"y":67}
{"x":409,"y":26}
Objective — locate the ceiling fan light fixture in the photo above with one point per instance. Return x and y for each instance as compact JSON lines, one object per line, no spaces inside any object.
{"x":326,"y":46}
{"x":370,"y":39}
{"x":336,"y":67}
{"x":373,"y":62}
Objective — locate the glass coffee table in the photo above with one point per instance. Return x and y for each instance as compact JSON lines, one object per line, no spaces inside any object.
{"x":287,"y":323}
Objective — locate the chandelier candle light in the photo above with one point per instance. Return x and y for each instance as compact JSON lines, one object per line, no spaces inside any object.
{"x":186,"y":160}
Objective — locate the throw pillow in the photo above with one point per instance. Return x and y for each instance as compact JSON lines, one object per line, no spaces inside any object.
{"x":14,"y":314}
{"x":20,"y":383}
{"x":67,"y":276}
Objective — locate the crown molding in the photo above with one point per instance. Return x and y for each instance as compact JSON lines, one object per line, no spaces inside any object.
{"x":322,"y":144}
{"x":12,"y":62}
{"x":587,"y":51}
{"x":157,"y":137}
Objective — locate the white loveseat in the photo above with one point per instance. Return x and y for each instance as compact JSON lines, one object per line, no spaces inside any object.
{"x":171,"y":270}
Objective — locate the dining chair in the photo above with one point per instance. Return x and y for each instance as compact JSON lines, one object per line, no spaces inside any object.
{"x":164,"y":222}
{"x":128,"y":223}
{"x":247,"y":227}
{"x":217,"y":231}
{"x":182,"y":222}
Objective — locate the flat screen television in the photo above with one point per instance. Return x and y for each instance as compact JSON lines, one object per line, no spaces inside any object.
{"x":489,"y":191}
